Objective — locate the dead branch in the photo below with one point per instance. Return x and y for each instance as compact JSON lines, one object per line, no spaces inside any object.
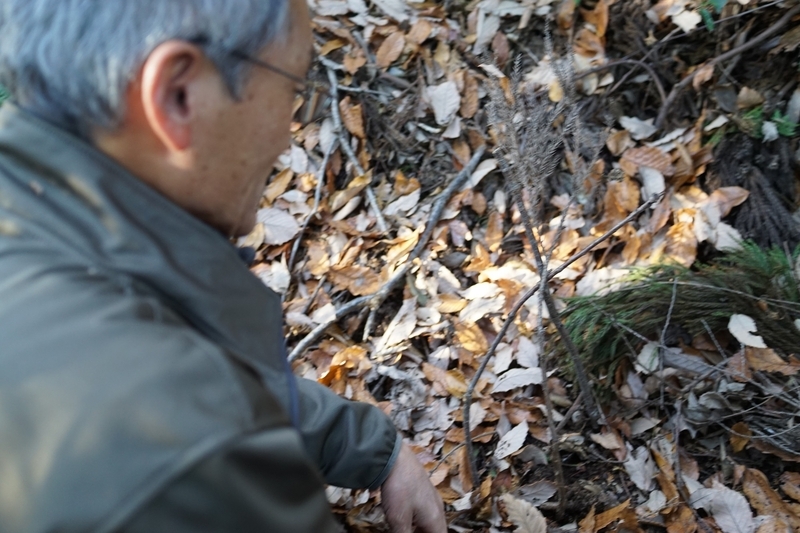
{"x":513,"y":314}
{"x":555,"y":318}
{"x":436,"y":213}
{"x":752,"y":43}
{"x":548,"y":402}
{"x":388,"y":287}
{"x":627,"y":61}
{"x":348,"y":150}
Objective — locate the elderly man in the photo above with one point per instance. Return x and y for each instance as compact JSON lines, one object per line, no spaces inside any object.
{"x":144,"y":385}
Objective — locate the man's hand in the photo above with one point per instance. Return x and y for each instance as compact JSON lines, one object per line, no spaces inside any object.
{"x":410,"y":499}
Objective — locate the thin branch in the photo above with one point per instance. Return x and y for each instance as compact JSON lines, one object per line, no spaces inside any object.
{"x":348,"y":150}
{"x":636,"y":62}
{"x":752,"y":43}
{"x":317,"y":332}
{"x":548,"y":402}
{"x":380,"y":296}
{"x":527,"y":296}
{"x":436,"y":213}
{"x":555,"y":316}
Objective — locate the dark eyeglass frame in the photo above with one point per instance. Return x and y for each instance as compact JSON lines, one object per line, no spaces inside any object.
{"x":315,"y":94}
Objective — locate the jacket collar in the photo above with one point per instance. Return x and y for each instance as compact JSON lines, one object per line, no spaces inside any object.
{"x":118,"y":224}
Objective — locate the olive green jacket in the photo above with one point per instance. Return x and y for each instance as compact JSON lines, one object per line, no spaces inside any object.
{"x":143,"y":379}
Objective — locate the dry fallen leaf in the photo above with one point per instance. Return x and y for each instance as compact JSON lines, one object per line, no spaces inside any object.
{"x":526,"y":517}
{"x":279,"y":226}
{"x":357,"y":279}
{"x":728,"y":508}
{"x":390,"y":49}
{"x":352,"y":117}
{"x":743,"y":328}
{"x":740,"y":436}
{"x":518,"y":377}
{"x":444,"y":100}
{"x":471,"y":338}
{"x":704,"y":74}
{"x":598,"y":17}
{"x":512,"y":441}
{"x":791,"y":485}
{"x":766,"y":360}
{"x":649,"y":156}
{"x":765,"y":500}
{"x":748,"y":98}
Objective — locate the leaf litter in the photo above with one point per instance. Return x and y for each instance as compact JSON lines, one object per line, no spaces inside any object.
{"x":415,"y":91}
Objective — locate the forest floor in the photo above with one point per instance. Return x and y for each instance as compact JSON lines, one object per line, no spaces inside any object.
{"x":617,"y":146}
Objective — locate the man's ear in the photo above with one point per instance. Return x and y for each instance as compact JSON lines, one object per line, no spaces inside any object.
{"x":169,"y":87}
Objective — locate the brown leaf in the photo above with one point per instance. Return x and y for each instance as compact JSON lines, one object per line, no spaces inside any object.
{"x":748,"y":98}
{"x":356,"y":185}
{"x":420,"y":31}
{"x":471,"y":338}
{"x":354,"y":60}
{"x":501,"y":49}
{"x":607,"y":518}
{"x":766,"y":360}
{"x":619,"y":141}
{"x":681,"y":520}
{"x":404,"y":186}
{"x":681,"y":240}
{"x":357,"y":279}
{"x":765,"y":500}
{"x":649,"y":156}
{"x":587,"y":525}
{"x":494,"y":231}
{"x":331,"y":45}
{"x":791,"y":485}
{"x":566,"y":14}
{"x":727,"y":198}
{"x":598,"y":17}
{"x":278,"y":185}
{"x":471,"y":99}
{"x":740,"y":436}
{"x":352,"y":117}
{"x":451,"y":304}
{"x":704,"y":74}
{"x":738,"y":368}
{"x":390,"y":49}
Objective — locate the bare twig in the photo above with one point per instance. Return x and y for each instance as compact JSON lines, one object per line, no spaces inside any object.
{"x":436,"y":213}
{"x":382,"y":294}
{"x":555,"y":316}
{"x":636,"y":62}
{"x":525,"y":297}
{"x":348,"y":150}
{"x":548,"y":402}
{"x":752,"y":43}
{"x":308,"y":340}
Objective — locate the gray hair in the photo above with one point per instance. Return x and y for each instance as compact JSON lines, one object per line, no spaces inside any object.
{"x":71,"y":61}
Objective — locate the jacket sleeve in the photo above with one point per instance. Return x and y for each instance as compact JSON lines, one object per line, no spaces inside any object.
{"x":263,"y":482}
{"x":354,"y":444}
